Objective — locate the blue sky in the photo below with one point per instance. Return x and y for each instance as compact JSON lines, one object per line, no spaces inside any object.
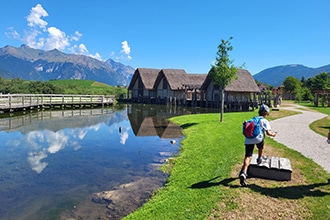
{"x":174,"y":34}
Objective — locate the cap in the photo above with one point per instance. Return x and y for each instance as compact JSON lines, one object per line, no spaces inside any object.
{"x":264,"y":108}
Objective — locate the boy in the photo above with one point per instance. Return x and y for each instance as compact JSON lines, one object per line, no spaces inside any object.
{"x":258,"y":141}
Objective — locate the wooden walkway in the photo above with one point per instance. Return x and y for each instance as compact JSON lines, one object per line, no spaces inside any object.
{"x":23,"y":102}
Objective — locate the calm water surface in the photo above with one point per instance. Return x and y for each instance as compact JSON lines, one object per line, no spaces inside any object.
{"x":52,"y":160}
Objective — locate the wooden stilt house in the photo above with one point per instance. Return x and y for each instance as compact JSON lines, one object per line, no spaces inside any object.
{"x":175,"y":86}
{"x":141,"y":88}
{"x":240,"y":94}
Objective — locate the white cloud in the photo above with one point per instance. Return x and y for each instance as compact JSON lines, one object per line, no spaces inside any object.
{"x":79,"y":49}
{"x":82,"y":133}
{"x":34,"y":18}
{"x":76,"y":36}
{"x":96,"y":56}
{"x":57,"y":141}
{"x":31,"y":39}
{"x":56,"y":39}
{"x":35,"y":161}
{"x":39,"y":36}
{"x":12,"y":34}
{"x":82,"y":49}
{"x":126,"y":50}
{"x":123,"y":137}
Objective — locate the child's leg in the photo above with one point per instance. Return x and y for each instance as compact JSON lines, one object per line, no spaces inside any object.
{"x":246,"y":163}
{"x":247,"y":158}
{"x":260,"y":147}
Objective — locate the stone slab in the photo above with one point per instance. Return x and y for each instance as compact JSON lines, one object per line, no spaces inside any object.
{"x":274,"y":168}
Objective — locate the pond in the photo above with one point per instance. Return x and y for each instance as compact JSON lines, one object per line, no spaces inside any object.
{"x":85,"y":163}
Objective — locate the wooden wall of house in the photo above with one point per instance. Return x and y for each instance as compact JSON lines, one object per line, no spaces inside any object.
{"x":135,"y":91}
{"x":234,"y":101}
{"x":211,"y":94}
{"x":239,"y":96}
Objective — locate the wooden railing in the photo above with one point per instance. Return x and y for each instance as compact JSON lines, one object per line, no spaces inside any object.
{"x":12,"y":102}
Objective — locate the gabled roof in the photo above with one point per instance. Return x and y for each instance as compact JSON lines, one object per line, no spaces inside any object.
{"x":175,"y":78}
{"x":243,"y":83}
{"x":147,"y":75}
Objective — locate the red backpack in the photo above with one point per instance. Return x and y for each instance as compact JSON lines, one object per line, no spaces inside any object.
{"x":251,"y":128}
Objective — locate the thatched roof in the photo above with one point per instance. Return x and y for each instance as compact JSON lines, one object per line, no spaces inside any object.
{"x":194,"y":81}
{"x":174,"y":77}
{"x":147,"y":76}
{"x":179,"y":79}
{"x":243,"y":83}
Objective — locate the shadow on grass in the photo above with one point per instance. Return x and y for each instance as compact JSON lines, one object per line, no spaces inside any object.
{"x":292,"y":192}
{"x":288,"y":192}
{"x":212,"y":182}
{"x":187,"y":125}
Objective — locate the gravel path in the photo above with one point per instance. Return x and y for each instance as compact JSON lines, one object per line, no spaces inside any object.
{"x":294,"y":132}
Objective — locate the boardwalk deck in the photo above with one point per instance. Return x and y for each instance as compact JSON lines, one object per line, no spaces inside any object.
{"x":22,"y":102}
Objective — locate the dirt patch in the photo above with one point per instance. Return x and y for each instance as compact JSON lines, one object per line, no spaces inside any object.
{"x":116,"y":203}
{"x":255,"y":202}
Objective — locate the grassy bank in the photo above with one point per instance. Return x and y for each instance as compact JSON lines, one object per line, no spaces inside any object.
{"x":88,"y":87}
{"x":321,"y":126}
{"x":203,"y":182}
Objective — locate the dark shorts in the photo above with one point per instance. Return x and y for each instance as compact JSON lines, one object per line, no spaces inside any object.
{"x":249,"y":148}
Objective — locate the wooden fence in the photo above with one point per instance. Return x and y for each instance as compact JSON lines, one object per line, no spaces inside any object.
{"x":22,"y":102}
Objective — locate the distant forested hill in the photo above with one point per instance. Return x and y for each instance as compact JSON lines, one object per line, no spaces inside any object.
{"x":275,"y":76}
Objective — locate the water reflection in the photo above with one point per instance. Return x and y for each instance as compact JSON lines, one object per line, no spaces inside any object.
{"x":152,"y":121}
{"x":51,"y":161}
{"x":57,"y":120}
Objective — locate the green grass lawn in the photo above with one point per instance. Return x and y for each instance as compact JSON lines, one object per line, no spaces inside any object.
{"x":321,"y":126}
{"x":90,"y":87}
{"x":208,"y":155}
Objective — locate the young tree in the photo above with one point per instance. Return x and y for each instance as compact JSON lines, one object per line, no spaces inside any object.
{"x":223,"y":71}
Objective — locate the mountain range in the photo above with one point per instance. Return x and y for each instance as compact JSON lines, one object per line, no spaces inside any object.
{"x":33,"y":64}
{"x":276,"y":75}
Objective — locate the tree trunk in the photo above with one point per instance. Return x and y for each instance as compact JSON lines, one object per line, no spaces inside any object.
{"x":222,"y":104}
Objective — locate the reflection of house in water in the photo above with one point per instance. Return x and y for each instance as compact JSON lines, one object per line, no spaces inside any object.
{"x":146,"y":121}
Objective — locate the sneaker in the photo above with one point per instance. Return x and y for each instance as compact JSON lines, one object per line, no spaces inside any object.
{"x":259,"y":160}
{"x":242,"y":178}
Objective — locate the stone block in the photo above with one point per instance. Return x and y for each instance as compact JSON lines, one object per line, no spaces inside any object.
{"x":273,"y":168}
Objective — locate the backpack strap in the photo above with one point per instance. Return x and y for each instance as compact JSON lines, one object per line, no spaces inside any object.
{"x":259,"y":123}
